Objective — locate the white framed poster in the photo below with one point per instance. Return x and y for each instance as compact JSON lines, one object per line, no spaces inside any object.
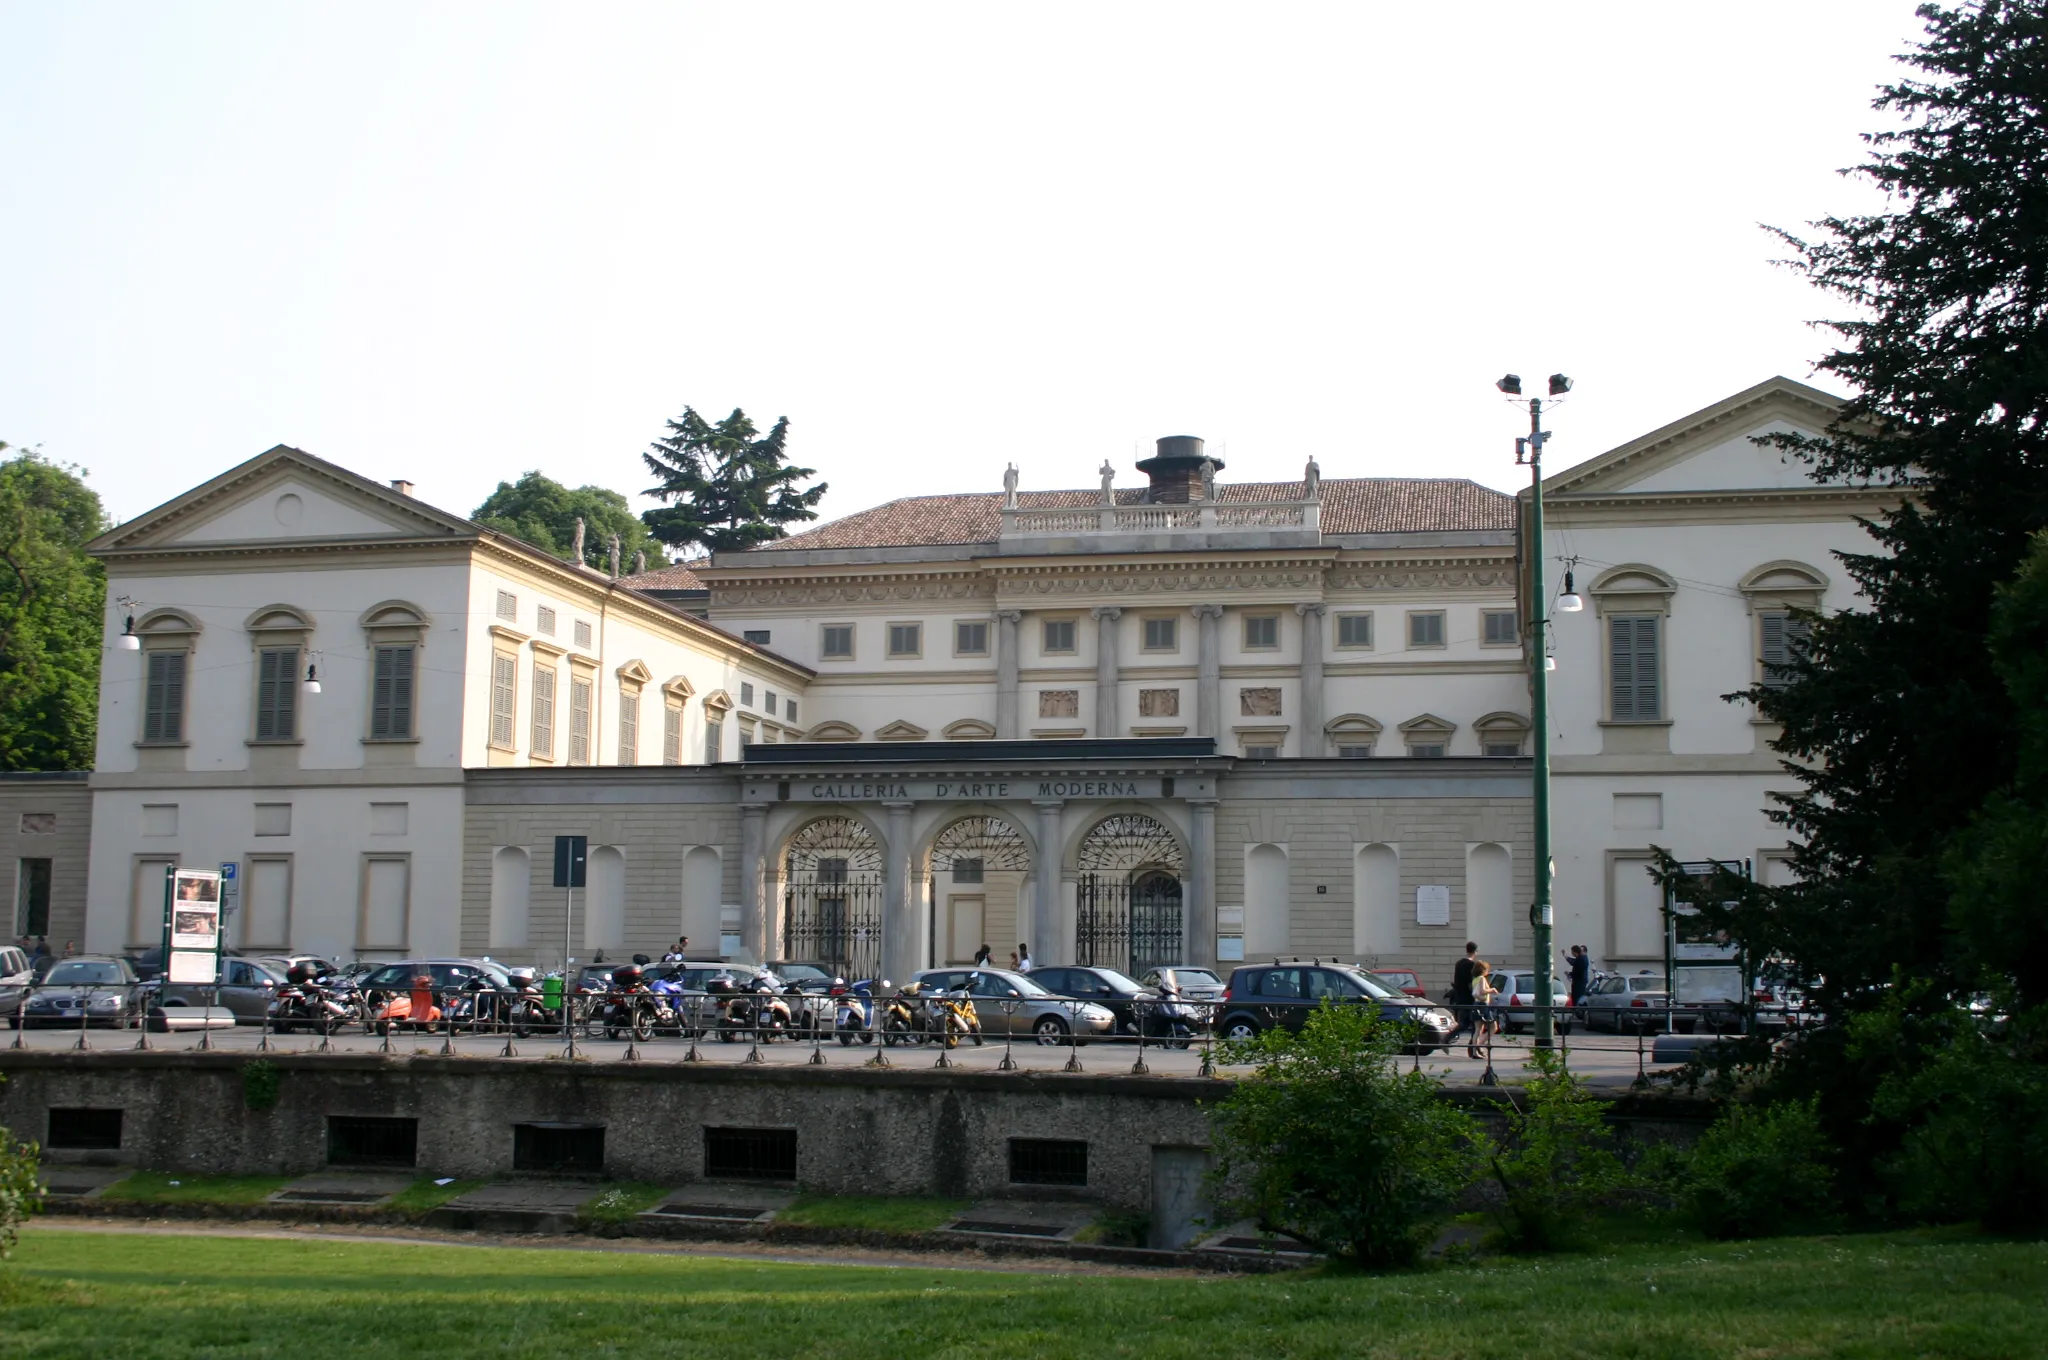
{"x":1432,"y":905}
{"x":195,"y":909}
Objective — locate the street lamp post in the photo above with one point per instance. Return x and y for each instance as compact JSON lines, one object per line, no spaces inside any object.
{"x":1530,"y":451}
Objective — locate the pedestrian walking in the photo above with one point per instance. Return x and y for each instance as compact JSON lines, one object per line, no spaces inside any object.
{"x":1485,"y":1019}
{"x":982,"y":956}
{"x":1023,"y":958}
{"x":1460,"y":995}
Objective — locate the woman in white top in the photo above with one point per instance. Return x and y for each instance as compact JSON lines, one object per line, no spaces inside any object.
{"x":1485,"y":1019}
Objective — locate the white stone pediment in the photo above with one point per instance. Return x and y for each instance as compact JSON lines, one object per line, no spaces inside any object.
{"x":1712,"y":450}
{"x":281,"y":497}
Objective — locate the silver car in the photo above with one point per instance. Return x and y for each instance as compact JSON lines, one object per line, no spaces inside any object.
{"x":1517,"y":1000}
{"x":1622,"y":1003}
{"x":1011,"y":1003}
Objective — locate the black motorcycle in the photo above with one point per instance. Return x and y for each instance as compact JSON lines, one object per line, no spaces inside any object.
{"x":634,"y":1006}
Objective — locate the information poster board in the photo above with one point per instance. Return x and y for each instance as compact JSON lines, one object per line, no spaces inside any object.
{"x":192,"y":925}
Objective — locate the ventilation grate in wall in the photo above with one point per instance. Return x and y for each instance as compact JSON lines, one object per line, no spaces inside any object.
{"x":85,"y":1129}
{"x":1048,"y":1161}
{"x":576,"y":1149}
{"x":372,"y":1140}
{"x":753,"y":1154}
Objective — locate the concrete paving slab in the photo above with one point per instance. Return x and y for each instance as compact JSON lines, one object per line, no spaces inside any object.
{"x":1047,"y":1220}
{"x":80,"y":1182}
{"x":716,"y":1202}
{"x":517,"y":1207}
{"x":342,"y":1187}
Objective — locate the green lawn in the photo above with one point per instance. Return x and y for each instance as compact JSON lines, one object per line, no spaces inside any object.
{"x":163,"y":1187}
{"x":70,"y":1294}
{"x":881,"y":1213}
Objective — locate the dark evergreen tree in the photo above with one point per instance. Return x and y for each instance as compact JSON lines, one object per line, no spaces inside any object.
{"x":1897,"y":721}
{"x":543,"y":512}
{"x":51,"y":601}
{"x":728,"y":486}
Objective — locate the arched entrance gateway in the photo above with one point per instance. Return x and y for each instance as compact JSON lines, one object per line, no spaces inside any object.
{"x":1128,"y":897}
{"x":977,"y":872}
{"x":832,"y":897}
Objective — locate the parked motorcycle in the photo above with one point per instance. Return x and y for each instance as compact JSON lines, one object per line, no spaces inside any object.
{"x":902,"y":1015}
{"x":853,"y":1015}
{"x":304,"y":1002}
{"x":954,"y":1017}
{"x":1171,"y":1020}
{"x":633,"y":1005}
{"x":415,"y":1009}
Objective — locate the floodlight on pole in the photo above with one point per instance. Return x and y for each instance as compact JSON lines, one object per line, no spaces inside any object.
{"x":1511,"y":385}
{"x":1559,"y":384}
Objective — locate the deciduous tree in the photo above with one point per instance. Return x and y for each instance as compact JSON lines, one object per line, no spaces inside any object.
{"x":51,"y":601}
{"x":543,"y":512}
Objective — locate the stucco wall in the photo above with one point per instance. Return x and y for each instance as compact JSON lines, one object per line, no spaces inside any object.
{"x":23,"y":798}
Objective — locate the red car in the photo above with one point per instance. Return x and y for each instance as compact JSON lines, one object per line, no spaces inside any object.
{"x":1402,"y":980}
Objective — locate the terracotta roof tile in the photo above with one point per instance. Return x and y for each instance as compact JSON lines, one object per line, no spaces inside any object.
{"x":677,"y":576}
{"x":1351,"y":505}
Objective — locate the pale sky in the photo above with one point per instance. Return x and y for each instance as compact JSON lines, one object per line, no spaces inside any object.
{"x":452,"y":242}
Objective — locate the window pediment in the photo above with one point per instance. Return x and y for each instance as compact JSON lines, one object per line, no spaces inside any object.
{"x":969,"y":729}
{"x":1428,"y":725}
{"x":1352,"y":725}
{"x":1784,"y":584}
{"x":1502,"y":723}
{"x":395,"y":621}
{"x":718,"y":701}
{"x":1632,"y":588}
{"x":834,"y":730}
{"x":167,"y":628}
{"x":679,"y":687}
{"x":901,"y":730}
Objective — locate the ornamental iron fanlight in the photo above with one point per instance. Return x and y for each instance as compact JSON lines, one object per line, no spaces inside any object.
{"x":991,"y":840}
{"x":1127,"y":842}
{"x":833,"y":845}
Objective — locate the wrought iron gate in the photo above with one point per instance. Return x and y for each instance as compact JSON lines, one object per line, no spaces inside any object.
{"x":835,"y":920}
{"x":1129,"y":923}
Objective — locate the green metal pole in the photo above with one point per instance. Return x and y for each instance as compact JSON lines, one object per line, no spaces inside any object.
{"x":1539,"y":698}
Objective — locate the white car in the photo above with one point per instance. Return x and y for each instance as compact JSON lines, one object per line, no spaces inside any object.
{"x":1517,"y":1000}
{"x":1623,"y":1003}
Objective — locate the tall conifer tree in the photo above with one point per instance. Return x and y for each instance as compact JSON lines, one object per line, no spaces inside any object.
{"x":728,"y":486}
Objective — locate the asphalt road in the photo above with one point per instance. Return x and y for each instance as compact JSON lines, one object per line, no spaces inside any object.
{"x":1604,"y":1059}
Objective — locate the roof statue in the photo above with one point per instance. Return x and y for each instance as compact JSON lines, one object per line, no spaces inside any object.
{"x":1312,"y":481}
{"x":640,"y":562}
{"x":1010,"y":487}
{"x":576,"y":543}
{"x":612,"y":554}
{"x":1108,"y":482}
{"x":1208,"y":479}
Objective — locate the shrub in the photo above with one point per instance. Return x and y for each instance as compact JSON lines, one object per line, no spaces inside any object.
{"x":21,"y":1187}
{"x":1556,"y":1162}
{"x":1760,"y":1170}
{"x":1329,"y":1141}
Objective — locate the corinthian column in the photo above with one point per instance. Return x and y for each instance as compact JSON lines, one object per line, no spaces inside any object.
{"x":1312,"y":740}
{"x":1108,"y":721}
{"x":1006,"y":672}
{"x":1208,"y":670}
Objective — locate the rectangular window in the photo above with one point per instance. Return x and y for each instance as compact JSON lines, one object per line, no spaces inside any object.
{"x":714,"y":740}
{"x":277,"y":694}
{"x":789,"y":710}
{"x":967,"y":870}
{"x":504,"y":696}
{"x":1784,"y":639}
{"x":1261,"y":751}
{"x":1058,"y":635}
{"x":906,"y":639}
{"x":1162,"y":635}
{"x":544,"y":620}
{"x":543,"y":710}
{"x":32,"y":897}
{"x":579,"y":721}
{"x":163,"y":703}
{"x":1633,"y":677}
{"x":1354,"y":630}
{"x":583,"y":633}
{"x":1426,"y":750}
{"x":757,"y":636}
{"x":1261,"y":632}
{"x":1426,"y":628}
{"x":970,"y":638}
{"x":629,"y":728}
{"x":1501,"y":748}
{"x":508,"y":606}
{"x":747,"y":695}
{"x":836,"y":642}
{"x":1497,"y":628}
{"x":771,"y":703}
{"x":672,"y":734}
{"x":391,"y":693}
{"x":1355,"y":752}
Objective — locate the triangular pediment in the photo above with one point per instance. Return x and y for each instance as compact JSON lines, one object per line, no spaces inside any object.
{"x":283,"y":497}
{"x":1710,"y":450}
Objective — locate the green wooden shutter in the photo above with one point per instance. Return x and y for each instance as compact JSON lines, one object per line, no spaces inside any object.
{"x":163,"y":709}
{"x":277,"y":694}
{"x":1634,"y":674}
{"x":391,"y":693}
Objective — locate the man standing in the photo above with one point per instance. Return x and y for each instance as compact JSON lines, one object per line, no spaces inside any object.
{"x":1461,"y":987}
{"x":1023,"y":958}
{"x":1580,"y":968}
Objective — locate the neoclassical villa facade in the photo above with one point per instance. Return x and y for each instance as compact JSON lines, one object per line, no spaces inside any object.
{"x":1180,"y":718}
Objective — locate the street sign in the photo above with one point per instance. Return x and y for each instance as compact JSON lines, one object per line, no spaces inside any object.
{"x":230,"y":889}
{"x":572,"y":856}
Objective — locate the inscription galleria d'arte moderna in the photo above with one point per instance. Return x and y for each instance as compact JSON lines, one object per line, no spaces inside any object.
{"x":1045,"y":788}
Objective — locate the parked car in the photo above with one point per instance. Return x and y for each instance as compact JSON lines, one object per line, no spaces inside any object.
{"x":16,"y":972}
{"x":1403,"y":980}
{"x":246,"y":988}
{"x":1633,"y":1002}
{"x":1196,"y":984}
{"x":1262,"y":996}
{"x":1034,"y":1010}
{"x":1118,"y":992}
{"x":1517,"y":1000}
{"x":449,"y":975}
{"x":95,"y":989}
{"x":282,"y":964}
{"x":811,"y":977}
